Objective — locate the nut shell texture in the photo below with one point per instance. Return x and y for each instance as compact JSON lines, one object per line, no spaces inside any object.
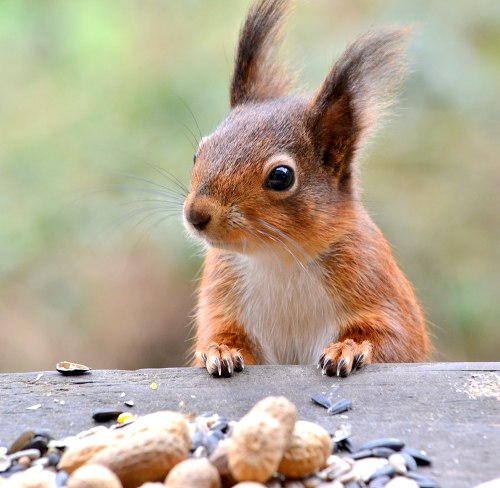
{"x":93,"y":476}
{"x":193,"y":473}
{"x":147,"y":456}
{"x":282,"y":409}
{"x":256,"y":448}
{"x":249,"y":484}
{"x":307,"y":452}
{"x":80,"y":452}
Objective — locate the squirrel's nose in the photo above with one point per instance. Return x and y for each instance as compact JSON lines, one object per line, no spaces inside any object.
{"x":199,"y":219}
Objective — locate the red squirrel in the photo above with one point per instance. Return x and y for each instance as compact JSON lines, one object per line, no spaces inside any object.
{"x":295,"y":271}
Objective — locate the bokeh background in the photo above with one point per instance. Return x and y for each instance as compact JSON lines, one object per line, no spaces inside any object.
{"x":97,"y":97}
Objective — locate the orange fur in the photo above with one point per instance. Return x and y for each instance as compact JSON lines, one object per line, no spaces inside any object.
{"x":298,"y":273}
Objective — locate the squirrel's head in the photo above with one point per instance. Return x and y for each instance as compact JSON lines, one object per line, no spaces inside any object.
{"x":280,"y":171}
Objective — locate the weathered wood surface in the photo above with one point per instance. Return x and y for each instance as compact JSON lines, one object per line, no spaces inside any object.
{"x":451,"y":410}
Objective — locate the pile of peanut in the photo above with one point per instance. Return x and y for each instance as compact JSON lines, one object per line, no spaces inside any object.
{"x":154,"y":451}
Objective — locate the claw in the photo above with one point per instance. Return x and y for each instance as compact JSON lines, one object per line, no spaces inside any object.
{"x":358,"y":360}
{"x":239,"y":366}
{"x":339,"y":365}
{"x":325,"y":366}
{"x":219,"y":366}
{"x":201,"y":356}
{"x":229,"y":366}
{"x":321,"y":359}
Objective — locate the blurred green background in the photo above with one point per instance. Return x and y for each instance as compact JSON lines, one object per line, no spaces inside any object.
{"x":93,"y":90}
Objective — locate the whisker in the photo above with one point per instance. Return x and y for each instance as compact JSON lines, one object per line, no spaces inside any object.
{"x":193,"y":137}
{"x":136,"y":212}
{"x":194,"y":118}
{"x":277,"y":238}
{"x":170,"y":177}
{"x":280,"y":233}
{"x":153,"y":225}
{"x":151,"y":182}
{"x":169,"y":203}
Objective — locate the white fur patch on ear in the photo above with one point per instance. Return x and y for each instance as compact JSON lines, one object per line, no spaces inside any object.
{"x":281,"y":159}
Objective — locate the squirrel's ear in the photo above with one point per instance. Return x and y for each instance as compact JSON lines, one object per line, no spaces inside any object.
{"x":255,"y":76}
{"x":356,"y":92}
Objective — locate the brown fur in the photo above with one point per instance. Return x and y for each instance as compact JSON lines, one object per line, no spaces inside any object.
{"x":319,"y":225}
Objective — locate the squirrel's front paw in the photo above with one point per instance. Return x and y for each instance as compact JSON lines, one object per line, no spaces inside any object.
{"x":220,"y":360}
{"x":341,"y":358}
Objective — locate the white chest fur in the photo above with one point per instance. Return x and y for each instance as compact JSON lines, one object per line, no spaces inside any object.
{"x":285,"y":310}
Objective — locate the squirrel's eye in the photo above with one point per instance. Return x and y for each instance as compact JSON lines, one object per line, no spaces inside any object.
{"x":280,"y":178}
{"x":194,"y":158}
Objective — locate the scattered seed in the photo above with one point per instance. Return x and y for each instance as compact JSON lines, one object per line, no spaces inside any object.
{"x":153,"y":386}
{"x":129,"y":403}
{"x":390,"y":442}
{"x":34,"y":407}
{"x":341,"y":406}
{"x":364,"y":453}
{"x":342,"y":433}
{"x":61,"y":478}
{"x":410,"y":462}
{"x":387,"y":470}
{"x":20,"y":443}
{"x":125,"y":418}
{"x":106,"y":414}
{"x":382,"y":452}
{"x":69,"y":368}
{"x":423,"y":481}
{"x":379,"y":482}
{"x":421,"y":457}
{"x":321,"y":400}
{"x":30,"y":453}
{"x":5,"y":463}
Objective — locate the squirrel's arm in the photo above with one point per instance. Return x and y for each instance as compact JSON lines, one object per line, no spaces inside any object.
{"x":222,"y":345}
{"x":381,"y":320}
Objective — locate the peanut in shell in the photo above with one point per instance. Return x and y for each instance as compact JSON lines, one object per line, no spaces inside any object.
{"x":256,"y":447}
{"x":144,"y":456}
{"x":307,"y":451}
{"x":195,"y":473}
{"x":93,"y":476}
{"x":282,"y":409}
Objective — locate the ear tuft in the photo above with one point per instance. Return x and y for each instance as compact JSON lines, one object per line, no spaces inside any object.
{"x":256,"y":76}
{"x":355,"y":94}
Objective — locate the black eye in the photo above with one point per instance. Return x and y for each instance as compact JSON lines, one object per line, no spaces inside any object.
{"x":280,"y":178}
{"x":194,"y":158}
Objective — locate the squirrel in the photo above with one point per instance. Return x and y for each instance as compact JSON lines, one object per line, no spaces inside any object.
{"x":295,"y":270}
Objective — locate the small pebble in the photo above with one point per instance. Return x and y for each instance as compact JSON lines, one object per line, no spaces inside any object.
{"x":129,"y":403}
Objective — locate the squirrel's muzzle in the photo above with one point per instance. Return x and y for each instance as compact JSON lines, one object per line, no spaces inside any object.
{"x":198,"y":217}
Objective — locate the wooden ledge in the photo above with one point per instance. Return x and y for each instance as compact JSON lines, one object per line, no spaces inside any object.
{"x":451,"y":410}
